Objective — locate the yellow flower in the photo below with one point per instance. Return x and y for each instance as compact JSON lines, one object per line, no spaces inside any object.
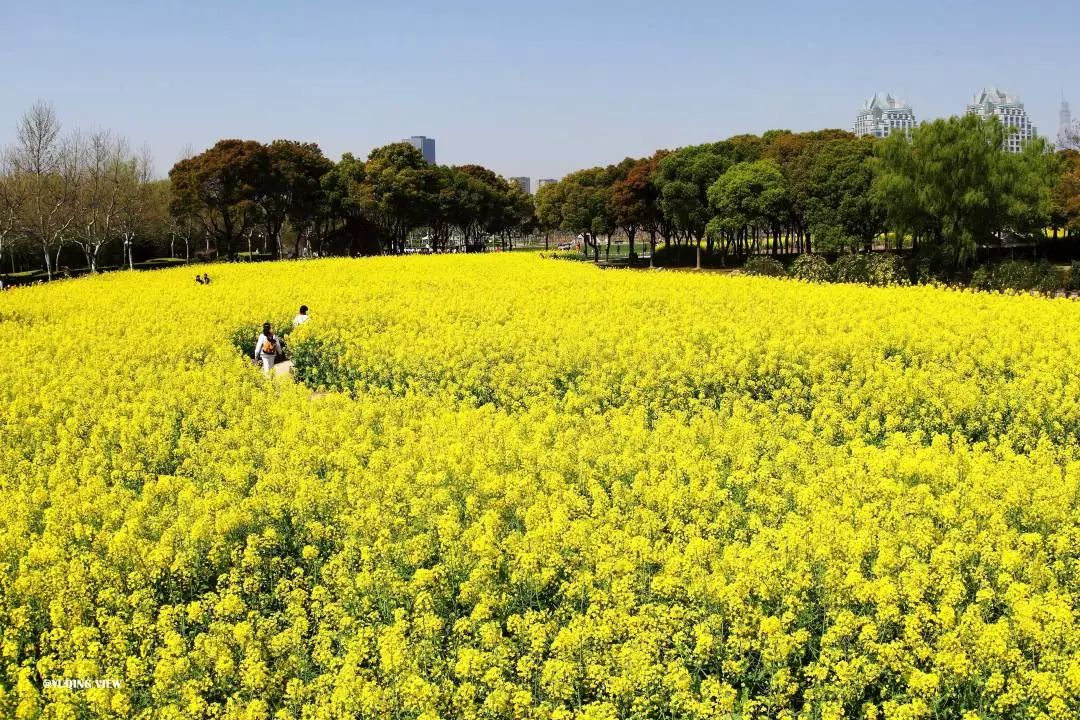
{"x":511,"y":487}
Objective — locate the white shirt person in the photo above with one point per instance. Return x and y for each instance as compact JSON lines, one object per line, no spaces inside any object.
{"x":301,"y":318}
{"x":267,"y":348}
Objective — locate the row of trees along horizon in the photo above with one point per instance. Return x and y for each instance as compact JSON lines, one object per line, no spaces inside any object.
{"x":943,"y":193}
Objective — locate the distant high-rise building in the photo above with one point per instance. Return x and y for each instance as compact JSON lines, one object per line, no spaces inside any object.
{"x":425,"y":145}
{"x":992,"y":102}
{"x":880,"y":116}
{"x":544,"y":181}
{"x":524,"y":183}
{"x":1068,"y":134}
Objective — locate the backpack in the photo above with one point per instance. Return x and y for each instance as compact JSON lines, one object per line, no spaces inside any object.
{"x":269,"y":347}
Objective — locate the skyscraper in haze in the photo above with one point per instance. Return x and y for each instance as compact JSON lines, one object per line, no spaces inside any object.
{"x":544,"y":181}
{"x":524,"y":183}
{"x":1068,"y":134}
{"x":992,"y":102}
{"x":425,"y":145}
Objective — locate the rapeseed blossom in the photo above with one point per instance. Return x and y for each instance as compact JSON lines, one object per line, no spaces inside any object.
{"x":534,"y":489}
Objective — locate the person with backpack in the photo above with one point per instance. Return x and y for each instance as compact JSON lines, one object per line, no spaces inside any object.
{"x":267,"y":348}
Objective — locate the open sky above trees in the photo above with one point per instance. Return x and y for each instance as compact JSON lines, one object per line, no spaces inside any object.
{"x":537,"y":89}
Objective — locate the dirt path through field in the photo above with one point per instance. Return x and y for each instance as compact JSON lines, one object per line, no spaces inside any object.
{"x":284,"y":369}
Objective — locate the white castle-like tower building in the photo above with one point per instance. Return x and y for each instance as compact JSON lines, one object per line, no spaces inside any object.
{"x":883,"y":114}
{"x":992,"y":102}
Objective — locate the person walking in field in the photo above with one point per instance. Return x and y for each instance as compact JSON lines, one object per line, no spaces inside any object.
{"x":301,"y":318}
{"x":267,"y":348}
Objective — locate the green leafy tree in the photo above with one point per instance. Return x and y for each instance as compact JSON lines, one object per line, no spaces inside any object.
{"x":634,"y":198}
{"x":549,"y":202}
{"x":291,"y":189}
{"x":517,"y":213}
{"x":339,"y":201}
{"x":751,"y":195}
{"x":585,"y":208}
{"x":219,"y":189}
{"x":683,"y":179}
{"x":1065,"y":198}
{"x":797,"y":154}
{"x":482,"y":199}
{"x":953,"y":186}
{"x":840,"y":211}
{"x":398,"y":193}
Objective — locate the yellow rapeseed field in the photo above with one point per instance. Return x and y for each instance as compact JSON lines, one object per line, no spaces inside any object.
{"x":534,"y":489}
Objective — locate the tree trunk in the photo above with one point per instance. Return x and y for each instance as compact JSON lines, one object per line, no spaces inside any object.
{"x":48,"y":262}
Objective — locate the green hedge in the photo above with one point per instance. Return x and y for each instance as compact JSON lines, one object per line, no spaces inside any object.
{"x":565,"y":255}
{"x":886,"y":269}
{"x":159,"y":263}
{"x":684,"y":256}
{"x":253,"y":256}
{"x":1024,"y":276}
{"x":764,"y":266}
{"x":851,"y":269}
{"x":814,"y":268}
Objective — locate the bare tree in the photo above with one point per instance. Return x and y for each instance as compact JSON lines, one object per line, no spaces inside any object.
{"x":68,"y":178}
{"x":39,"y":159}
{"x":37,"y":138}
{"x":1069,"y":137}
{"x":105,"y":176}
{"x":12,"y":200}
{"x":135,"y":202}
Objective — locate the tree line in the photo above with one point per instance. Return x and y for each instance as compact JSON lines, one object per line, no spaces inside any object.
{"x":80,"y":191}
{"x":239,"y":190}
{"x":86,"y":196}
{"x":943,"y":192}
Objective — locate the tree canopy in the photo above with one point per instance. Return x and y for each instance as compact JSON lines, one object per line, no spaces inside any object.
{"x":953,"y":185}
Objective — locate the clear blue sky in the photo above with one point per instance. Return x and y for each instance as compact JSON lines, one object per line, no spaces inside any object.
{"x":536,"y":88}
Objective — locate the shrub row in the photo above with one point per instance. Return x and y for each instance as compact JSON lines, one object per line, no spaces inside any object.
{"x":888,"y":269}
{"x":565,"y":255}
{"x":1024,"y":275}
{"x":876,"y":269}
